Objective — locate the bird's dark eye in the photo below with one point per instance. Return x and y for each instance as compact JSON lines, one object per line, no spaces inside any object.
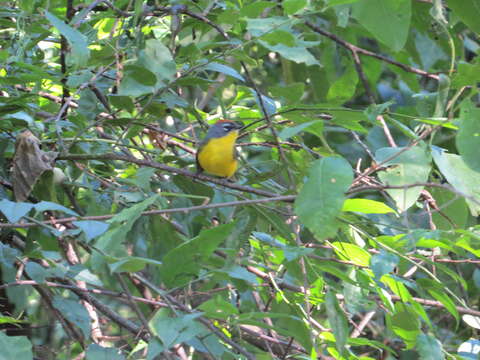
{"x":228,"y":127}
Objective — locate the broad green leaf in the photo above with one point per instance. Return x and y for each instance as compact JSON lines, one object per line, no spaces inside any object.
{"x":255,"y":9}
{"x":136,"y":81}
{"x":466,"y":74}
{"x":73,"y":312}
{"x":157,"y":58}
{"x":129,"y":215}
{"x":47,"y":205}
{"x":132,"y":264}
{"x":405,"y":324}
{"x":78,"y":42}
{"x":15,"y":347}
{"x":352,"y":252}
{"x":185,"y":261}
{"x":259,"y":27}
{"x":337,"y":320}
{"x":175,"y":330}
{"x":429,"y":348}
{"x":279,"y":37}
{"x":366,"y":206}
{"x":386,"y":20}
{"x":292,"y":93}
{"x":14,"y":211}
{"x":293,"y":6}
{"x":409,"y":167}
{"x":97,"y":352}
{"x":218,"y":308}
{"x":321,"y":199}
{"x":468,"y":137}
{"x":288,"y":132}
{"x":91,"y":228}
{"x":383,"y":263}
{"x":344,"y":87}
{"x":459,"y":175}
{"x":298,"y":54}
{"x":438,"y":292}
{"x":468,"y":11}
{"x":224,"y":69}
{"x":454,"y":210}
{"x":36,"y":271}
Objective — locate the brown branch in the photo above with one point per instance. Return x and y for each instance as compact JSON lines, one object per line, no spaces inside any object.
{"x":156,"y":165}
{"x":365,"y":52}
{"x":286,"y":198}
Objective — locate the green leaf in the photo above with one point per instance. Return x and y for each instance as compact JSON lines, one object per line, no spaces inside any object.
{"x":292,"y":93}
{"x":429,"y":348}
{"x":293,"y":6}
{"x":36,"y":271}
{"x":279,"y":37}
{"x":14,"y":211}
{"x":158,"y":59}
{"x":255,"y":9}
{"x":128,"y":216}
{"x":344,"y":87}
{"x":459,"y":175}
{"x":438,"y":292}
{"x":47,"y":205}
{"x":366,"y":206}
{"x":91,"y":228}
{"x":77,"y":41}
{"x":185,"y":260}
{"x":383,"y":263}
{"x":97,"y":352}
{"x":337,"y":320}
{"x":132,"y":264}
{"x":321,"y":199}
{"x":386,"y":20}
{"x":218,"y":308}
{"x":224,"y":69}
{"x":288,"y":132}
{"x":15,"y":347}
{"x":352,"y":252}
{"x":175,"y":330}
{"x":297,"y":54}
{"x":405,"y":324}
{"x":468,"y":11}
{"x":136,"y":81}
{"x":468,"y":137}
{"x":73,"y":312}
{"x":409,"y":167}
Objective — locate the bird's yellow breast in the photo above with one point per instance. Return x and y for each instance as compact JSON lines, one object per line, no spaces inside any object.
{"x":217,"y":156}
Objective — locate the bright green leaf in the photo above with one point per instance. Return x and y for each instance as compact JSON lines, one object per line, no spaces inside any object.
{"x":386,"y":20}
{"x":15,"y":347}
{"x":366,"y":206}
{"x":321,"y":199}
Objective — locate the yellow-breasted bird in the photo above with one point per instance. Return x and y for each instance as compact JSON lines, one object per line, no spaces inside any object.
{"x":216,"y":154}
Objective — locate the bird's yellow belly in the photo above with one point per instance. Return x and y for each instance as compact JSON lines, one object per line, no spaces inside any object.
{"x":217,"y":157}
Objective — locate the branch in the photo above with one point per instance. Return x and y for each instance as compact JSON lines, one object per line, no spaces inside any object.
{"x":286,"y":198}
{"x":362,"y":51}
{"x":156,"y":165}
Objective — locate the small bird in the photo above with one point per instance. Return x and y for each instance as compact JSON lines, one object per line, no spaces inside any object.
{"x":216,"y":154}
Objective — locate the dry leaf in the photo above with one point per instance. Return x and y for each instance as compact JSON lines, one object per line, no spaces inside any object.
{"x":29,"y":163}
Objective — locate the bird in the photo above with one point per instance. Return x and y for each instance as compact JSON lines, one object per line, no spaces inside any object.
{"x":216,"y":153}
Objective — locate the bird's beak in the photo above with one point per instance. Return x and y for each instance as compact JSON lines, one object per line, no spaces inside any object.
{"x":238,"y":125}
